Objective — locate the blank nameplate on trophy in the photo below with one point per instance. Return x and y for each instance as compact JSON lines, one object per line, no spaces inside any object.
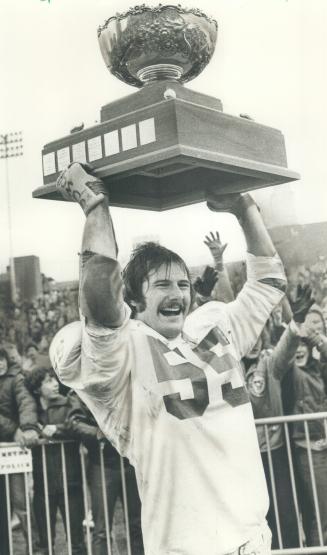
{"x":147,"y":131}
{"x":128,"y":137}
{"x":111,"y":143}
{"x":63,"y":158}
{"x":79,"y":152}
{"x":49,"y":164}
{"x":94,"y":147}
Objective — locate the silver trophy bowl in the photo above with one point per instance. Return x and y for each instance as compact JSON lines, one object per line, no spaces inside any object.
{"x":147,"y":44}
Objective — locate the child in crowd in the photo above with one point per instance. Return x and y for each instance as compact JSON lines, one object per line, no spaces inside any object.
{"x":62,"y":462}
{"x":112,"y":476}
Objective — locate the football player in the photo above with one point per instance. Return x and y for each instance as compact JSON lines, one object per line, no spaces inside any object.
{"x":167,"y":388}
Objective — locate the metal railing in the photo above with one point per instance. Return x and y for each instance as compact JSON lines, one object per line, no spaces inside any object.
{"x":307,"y":444}
{"x":31,"y":537}
{"x":304,"y":545}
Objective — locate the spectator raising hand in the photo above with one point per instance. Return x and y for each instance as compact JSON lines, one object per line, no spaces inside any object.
{"x":221,"y":289}
{"x":302,"y":303}
{"x":217,"y":249}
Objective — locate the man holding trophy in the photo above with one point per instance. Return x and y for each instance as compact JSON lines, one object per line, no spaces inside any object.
{"x":165,"y":387}
{"x":165,"y":383}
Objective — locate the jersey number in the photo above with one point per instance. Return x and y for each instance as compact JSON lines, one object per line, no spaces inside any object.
{"x":190,"y":408}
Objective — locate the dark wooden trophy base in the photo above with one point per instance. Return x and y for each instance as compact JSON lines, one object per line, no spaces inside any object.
{"x":163,"y":146}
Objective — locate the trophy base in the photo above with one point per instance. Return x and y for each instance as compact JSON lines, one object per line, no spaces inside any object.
{"x":168,"y":149}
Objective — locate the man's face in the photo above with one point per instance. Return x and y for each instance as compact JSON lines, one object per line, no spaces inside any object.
{"x":167,"y":294}
{"x":3,"y":366}
{"x":13,"y":354}
{"x":257,"y":384}
{"x":11,"y":334}
{"x":49,"y":388}
{"x":307,"y":277}
{"x":314,"y":321}
{"x":277,"y":316}
{"x":50,"y":315}
{"x":32,"y":315}
{"x":36,"y":328}
{"x":32,"y":353}
{"x":302,"y":355}
{"x":256,"y":350}
{"x":301,"y":279}
{"x":54,"y":296}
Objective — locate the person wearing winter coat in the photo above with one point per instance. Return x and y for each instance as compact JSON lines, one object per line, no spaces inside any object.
{"x":84,"y":422}
{"x":309,"y":379}
{"x":18,"y":423}
{"x":265,"y":369}
{"x":54,"y":422}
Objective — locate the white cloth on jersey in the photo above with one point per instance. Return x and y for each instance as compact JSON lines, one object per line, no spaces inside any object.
{"x":180,"y":412}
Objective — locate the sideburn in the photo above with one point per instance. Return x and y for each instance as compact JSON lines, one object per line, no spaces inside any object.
{"x":137,"y":307}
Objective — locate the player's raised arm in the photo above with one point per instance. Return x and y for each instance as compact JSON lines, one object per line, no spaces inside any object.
{"x":284,"y":352}
{"x":101,"y":299}
{"x":246,"y":210}
{"x":266,"y":280}
{"x":93,"y":356}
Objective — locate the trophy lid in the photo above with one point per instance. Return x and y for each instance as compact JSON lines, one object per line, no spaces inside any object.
{"x":147,"y":44}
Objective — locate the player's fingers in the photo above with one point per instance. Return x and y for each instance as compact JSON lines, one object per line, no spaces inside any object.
{"x":62,"y":184}
{"x":217,"y":236}
{"x":61,"y":181}
{"x":223,"y":247}
{"x":88,"y":168}
{"x":212,"y":236}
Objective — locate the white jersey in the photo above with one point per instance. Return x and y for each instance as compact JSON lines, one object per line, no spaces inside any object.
{"x":179,"y":410}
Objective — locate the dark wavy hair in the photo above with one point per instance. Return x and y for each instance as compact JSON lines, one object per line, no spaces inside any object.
{"x":4,"y":354}
{"x":34,"y":379}
{"x":145,"y":258}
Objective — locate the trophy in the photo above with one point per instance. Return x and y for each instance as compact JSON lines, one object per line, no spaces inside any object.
{"x":163,"y":146}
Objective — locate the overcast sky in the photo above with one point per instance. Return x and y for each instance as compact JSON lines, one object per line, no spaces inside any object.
{"x":270,"y":62}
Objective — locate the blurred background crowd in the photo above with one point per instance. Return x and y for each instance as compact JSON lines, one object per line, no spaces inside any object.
{"x":27,"y":327}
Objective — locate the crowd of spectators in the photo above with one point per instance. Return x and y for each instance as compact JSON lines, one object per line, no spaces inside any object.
{"x":29,"y":327}
{"x":286,"y":373}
